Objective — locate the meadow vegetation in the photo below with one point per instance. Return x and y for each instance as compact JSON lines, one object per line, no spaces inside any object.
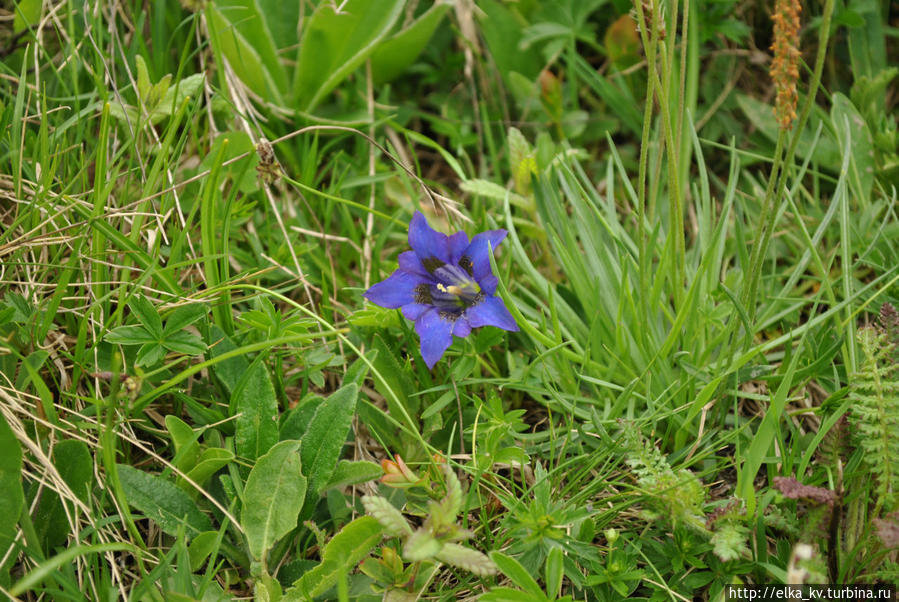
{"x":691,"y":224}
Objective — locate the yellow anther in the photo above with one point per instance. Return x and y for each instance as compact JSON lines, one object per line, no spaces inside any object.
{"x":455,"y":290}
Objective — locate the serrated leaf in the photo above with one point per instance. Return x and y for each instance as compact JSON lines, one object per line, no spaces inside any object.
{"x":183,"y":316}
{"x":147,"y":315}
{"x":339,"y":555}
{"x":466,"y":559}
{"x":149,"y":354}
{"x":129,"y":335}
{"x":273,"y":497}
{"x":353,"y":472}
{"x":325,"y":436}
{"x":254,"y":400}
{"x":184,"y":342}
{"x":162,"y":501}
{"x":387,"y":515}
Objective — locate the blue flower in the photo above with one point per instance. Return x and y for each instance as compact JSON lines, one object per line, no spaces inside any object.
{"x":445,"y":285}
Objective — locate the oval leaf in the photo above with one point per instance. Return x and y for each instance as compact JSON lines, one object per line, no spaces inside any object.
{"x":162,"y":501}
{"x":273,"y":497}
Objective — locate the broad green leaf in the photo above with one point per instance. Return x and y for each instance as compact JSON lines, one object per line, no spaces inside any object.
{"x":162,"y":501}
{"x":554,"y":571}
{"x":27,"y":14}
{"x":503,"y":33}
{"x":187,"y":449}
{"x":238,"y":31}
{"x":339,"y":556}
{"x":761,"y":115}
{"x":391,"y":382}
{"x":143,"y":78}
{"x":175,"y":95}
{"x":273,"y":497}
{"x":351,"y":473}
{"x":12,"y":496}
{"x":75,"y":465}
{"x":847,"y":121}
{"x":129,"y":335}
{"x":229,"y":371}
{"x":209,"y":462}
{"x":201,"y":547}
{"x":297,"y":421}
{"x":235,"y":143}
{"x":256,"y":406}
{"x":336,"y":43}
{"x":147,"y":315}
{"x":325,"y":436}
{"x":507,"y":594}
{"x":397,"y":53}
{"x":519,"y":575}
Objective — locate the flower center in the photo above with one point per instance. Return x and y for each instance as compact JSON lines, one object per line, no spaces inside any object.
{"x":452,"y":291}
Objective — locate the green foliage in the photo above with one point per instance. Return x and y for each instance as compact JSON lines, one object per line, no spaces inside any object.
{"x":195,"y":396}
{"x":875,"y":410}
{"x":154,"y":338}
{"x":161,"y":501}
{"x":273,"y":497}
{"x":674,"y":496}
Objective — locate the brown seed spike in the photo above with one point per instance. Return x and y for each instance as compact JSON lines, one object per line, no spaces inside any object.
{"x":785,"y":64}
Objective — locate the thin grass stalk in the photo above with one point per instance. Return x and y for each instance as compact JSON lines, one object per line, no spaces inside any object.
{"x":777,"y":180}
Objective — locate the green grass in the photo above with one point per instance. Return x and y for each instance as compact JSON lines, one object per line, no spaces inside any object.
{"x":198,"y":403}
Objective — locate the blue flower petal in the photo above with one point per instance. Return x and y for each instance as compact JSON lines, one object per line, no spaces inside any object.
{"x":409,"y":262}
{"x":427,"y":242}
{"x":488,"y":284}
{"x":436,"y":335}
{"x":461,"y":328}
{"x":491,"y":312}
{"x":457,"y":243}
{"x":413,"y":310}
{"x":396,"y":291}
{"x":477,"y":252}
